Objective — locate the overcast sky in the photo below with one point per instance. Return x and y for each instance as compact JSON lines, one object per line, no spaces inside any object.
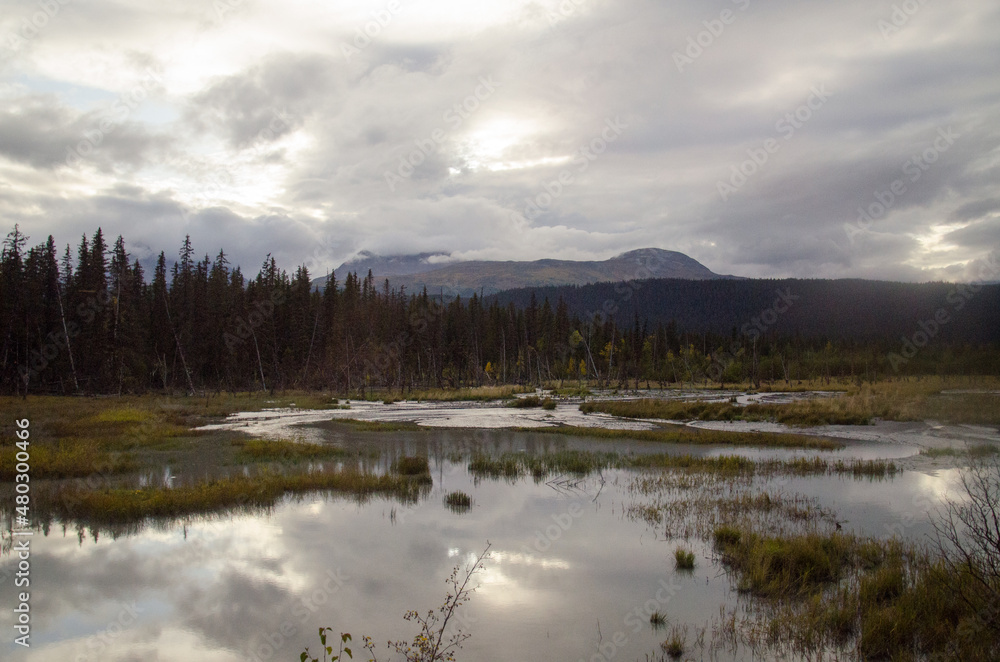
{"x":748,"y":134}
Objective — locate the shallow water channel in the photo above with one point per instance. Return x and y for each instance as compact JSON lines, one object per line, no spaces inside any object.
{"x":573,"y":574}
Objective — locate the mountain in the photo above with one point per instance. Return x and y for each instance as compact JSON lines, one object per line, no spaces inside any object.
{"x":388,"y":265}
{"x":414,"y":272}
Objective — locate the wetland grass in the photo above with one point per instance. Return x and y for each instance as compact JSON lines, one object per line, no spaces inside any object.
{"x":124,"y":504}
{"x":68,"y":458}
{"x":412,"y":466}
{"x":974,"y":451}
{"x":373,"y":426}
{"x":867,"y":598}
{"x":515,"y":465}
{"x":471,"y":393}
{"x":458,"y":501}
{"x":526,"y":402}
{"x":674,"y":646}
{"x":804,"y":413}
{"x":783,"y":566}
{"x":673,"y":434}
{"x":267,"y":450}
{"x":683,"y":559}
{"x":973,"y":400}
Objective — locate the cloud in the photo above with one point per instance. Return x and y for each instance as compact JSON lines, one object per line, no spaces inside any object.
{"x":265,"y":135}
{"x":267,"y":100}
{"x":38,"y":131}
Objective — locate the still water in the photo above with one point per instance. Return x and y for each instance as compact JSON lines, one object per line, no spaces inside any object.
{"x":571,"y":576}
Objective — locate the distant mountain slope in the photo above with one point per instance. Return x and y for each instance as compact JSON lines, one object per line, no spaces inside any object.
{"x":489,"y":277}
{"x":848,"y":308}
{"x":389,"y":265}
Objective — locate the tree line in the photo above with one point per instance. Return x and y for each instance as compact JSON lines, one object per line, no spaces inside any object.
{"x":90,"y":321}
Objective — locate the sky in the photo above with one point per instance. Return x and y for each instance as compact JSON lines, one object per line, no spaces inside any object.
{"x":854,"y":139}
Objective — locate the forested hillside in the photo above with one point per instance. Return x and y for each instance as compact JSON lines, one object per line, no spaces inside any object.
{"x":816,"y":309}
{"x":91,"y":321}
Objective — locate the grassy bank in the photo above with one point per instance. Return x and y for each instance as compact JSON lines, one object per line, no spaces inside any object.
{"x":811,"y":412}
{"x":870,"y":599}
{"x":79,"y":437}
{"x":120,"y":504}
{"x":471,"y":393}
{"x":946,"y":399}
{"x":371,"y":426}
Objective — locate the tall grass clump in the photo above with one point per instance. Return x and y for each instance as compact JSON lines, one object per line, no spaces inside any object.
{"x":783,"y":566}
{"x":458,"y":501}
{"x":411,"y":466}
{"x":674,"y":646}
{"x":526,"y":402}
{"x":683,"y":559}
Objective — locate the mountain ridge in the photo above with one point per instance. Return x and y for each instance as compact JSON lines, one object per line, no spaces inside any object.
{"x":464,"y":278}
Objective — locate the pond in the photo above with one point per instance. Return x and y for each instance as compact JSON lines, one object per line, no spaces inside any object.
{"x":573,"y":571}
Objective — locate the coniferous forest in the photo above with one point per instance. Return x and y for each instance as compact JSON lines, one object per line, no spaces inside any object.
{"x":90,"y":320}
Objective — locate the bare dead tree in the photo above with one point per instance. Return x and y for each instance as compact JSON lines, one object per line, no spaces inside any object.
{"x":968,"y":539}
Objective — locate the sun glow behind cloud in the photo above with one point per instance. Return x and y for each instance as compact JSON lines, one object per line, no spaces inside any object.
{"x":505,"y":143}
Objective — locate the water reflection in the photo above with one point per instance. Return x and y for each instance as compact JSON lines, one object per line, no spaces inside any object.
{"x":570,"y":572}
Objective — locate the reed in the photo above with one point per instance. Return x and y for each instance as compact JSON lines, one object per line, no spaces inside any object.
{"x":673,"y":434}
